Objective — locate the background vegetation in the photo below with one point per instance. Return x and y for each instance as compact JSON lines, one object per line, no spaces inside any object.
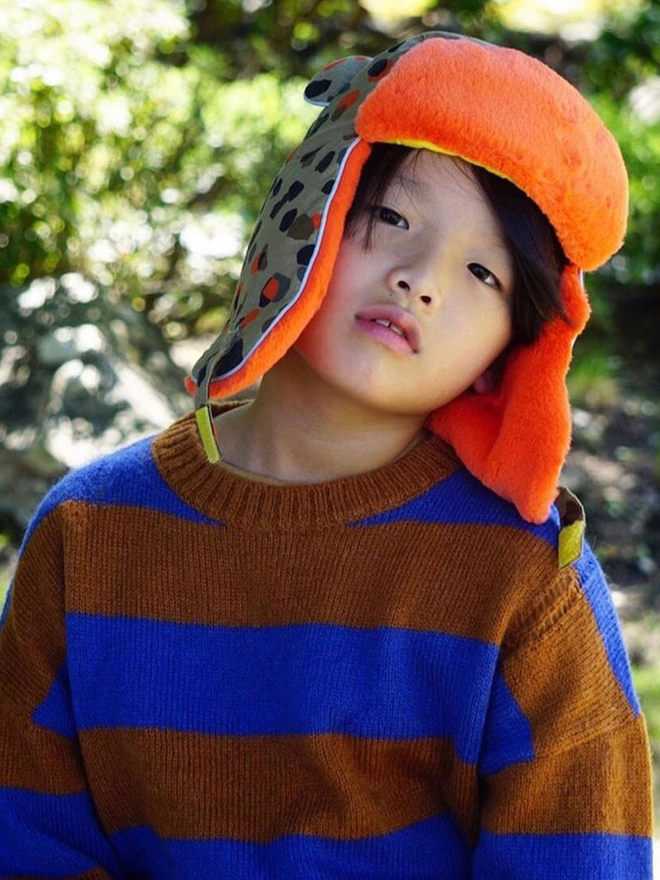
{"x":137,"y":139}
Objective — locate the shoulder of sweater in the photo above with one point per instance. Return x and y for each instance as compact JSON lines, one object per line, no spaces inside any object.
{"x":463,"y":499}
{"x":101,"y":481}
{"x":537,"y":552}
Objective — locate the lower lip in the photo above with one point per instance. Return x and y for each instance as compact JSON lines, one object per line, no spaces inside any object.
{"x":389,"y":338}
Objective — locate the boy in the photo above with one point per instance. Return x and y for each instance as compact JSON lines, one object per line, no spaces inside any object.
{"x":339,"y":631}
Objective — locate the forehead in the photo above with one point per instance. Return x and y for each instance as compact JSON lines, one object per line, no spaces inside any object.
{"x":436,"y":181}
{"x":424,"y":169}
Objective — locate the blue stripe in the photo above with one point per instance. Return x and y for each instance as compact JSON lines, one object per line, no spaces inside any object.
{"x":127,"y":477}
{"x":462,"y":500}
{"x":508,"y":737}
{"x":54,"y":712}
{"x":388,"y":683}
{"x":426,"y":851}
{"x":565,"y":856}
{"x":598,"y":595}
{"x":50,"y":835}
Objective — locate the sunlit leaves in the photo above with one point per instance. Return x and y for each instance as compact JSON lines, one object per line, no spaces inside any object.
{"x":141,"y":174}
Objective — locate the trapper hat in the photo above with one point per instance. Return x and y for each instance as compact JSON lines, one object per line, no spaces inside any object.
{"x":493,"y":107}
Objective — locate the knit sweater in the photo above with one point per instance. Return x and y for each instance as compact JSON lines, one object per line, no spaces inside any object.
{"x":383,"y":676}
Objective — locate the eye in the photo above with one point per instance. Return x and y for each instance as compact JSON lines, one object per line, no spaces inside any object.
{"x":383,"y":214}
{"x":483,"y":274}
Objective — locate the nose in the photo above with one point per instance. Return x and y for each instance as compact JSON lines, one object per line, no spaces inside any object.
{"x":413,"y":284}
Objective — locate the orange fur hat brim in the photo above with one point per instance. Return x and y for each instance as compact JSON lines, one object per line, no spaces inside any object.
{"x":512,"y":115}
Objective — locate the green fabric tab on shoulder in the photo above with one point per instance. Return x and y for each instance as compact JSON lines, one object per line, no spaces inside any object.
{"x":205,"y":427}
{"x":571,"y":539}
{"x":573,"y":525}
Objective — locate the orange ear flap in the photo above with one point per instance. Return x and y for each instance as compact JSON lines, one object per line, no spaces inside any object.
{"x":515,"y":439}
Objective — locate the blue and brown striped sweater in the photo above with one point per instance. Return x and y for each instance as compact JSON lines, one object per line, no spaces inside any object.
{"x":385,"y":676}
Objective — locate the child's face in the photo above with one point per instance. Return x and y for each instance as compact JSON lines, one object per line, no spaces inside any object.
{"x":438,"y":269}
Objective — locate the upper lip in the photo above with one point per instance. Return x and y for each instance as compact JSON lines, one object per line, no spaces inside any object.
{"x":397,"y":316}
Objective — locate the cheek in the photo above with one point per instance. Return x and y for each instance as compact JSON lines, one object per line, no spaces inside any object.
{"x":315,"y":342}
{"x":492,"y":324}
{"x":505,"y":330}
{"x":479,"y":316}
{"x":331,"y":318}
{"x":471,"y":341}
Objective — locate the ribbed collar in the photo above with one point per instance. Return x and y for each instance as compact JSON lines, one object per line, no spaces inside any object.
{"x":225,"y":494}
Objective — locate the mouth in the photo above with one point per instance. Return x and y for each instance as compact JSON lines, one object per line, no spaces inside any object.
{"x":390,"y":326}
{"x":398,"y":326}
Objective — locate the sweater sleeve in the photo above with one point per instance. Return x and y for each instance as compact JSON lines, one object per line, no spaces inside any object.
{"x":48,"y":826}
{"x":567,"y":782}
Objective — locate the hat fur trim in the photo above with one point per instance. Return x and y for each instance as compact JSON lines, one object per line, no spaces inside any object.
{"x":549,"y":141}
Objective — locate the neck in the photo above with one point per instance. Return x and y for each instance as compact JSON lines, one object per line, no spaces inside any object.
{"x":296,"y":432}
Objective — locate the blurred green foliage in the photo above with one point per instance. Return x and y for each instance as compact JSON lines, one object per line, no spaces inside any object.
{"x":122,"y":163}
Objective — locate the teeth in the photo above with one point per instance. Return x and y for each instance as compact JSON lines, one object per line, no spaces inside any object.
{"x":390,"y":326}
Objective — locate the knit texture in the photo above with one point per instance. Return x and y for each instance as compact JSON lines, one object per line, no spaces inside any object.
{"x":384,"y":676}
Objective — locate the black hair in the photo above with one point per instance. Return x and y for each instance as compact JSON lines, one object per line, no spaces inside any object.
{"x":537,"y":256}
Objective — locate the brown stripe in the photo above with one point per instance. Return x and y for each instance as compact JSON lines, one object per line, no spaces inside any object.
{"x":37,"y":759}
{"x":31,"y":654}
{"x":402,"y":575}
{"x":32,"y":638}
{"x":562,"y":678}
{"x":603,"y":786}
{"x":256,"y":788}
